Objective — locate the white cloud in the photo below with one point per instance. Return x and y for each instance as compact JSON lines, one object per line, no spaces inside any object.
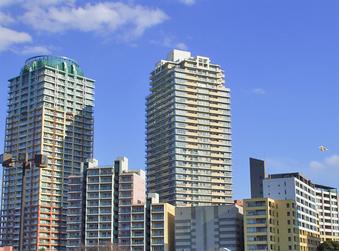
{"x":34,"y":3}
{"x":10,"y":37}
{"x":315,"y":165}
{"x":259,"y":91}
{"x":319,"y":171}
{"x":188,"y":2}
{"x":181,"y":46}
{"x":5,"y":19}
{"x":328,"y":164}
{"x":6,"y":2}
{"x":325,"y":171}
{"x":117,"y":19}
{"x":34,"y":50}
{"x":106,"y":17}
{"x":170,"y":42}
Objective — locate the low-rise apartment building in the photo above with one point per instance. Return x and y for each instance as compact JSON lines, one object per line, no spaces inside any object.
{"x":271,"y":225}
{"x":327,"y":205}
{"x":107,"y":205}
{"x":207,"y":228}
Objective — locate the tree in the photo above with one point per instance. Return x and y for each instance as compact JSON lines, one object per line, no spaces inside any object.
{"x":329,"y":246}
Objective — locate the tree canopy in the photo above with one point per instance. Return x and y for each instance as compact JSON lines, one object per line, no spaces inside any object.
{"x":329,"y":246}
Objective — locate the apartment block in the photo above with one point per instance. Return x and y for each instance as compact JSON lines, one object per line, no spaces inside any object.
{"x":149,"y":226}
{"x":50,"y":111}
{"x":107,"y":205}
{"x":294,"y":186}
{"x":207,"y":228}
{"x":76,"y":207}
{"x":188,"y":134}
{"x":271,"y":225}
{"x":161,"y":227}
{"x":327,"y":205}
{"x":137,"y":231}
{"x":132,"y":187}
{"x":94,"y":197}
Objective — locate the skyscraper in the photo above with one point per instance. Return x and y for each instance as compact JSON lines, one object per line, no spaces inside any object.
{"x":50,"y":111}
{"x":189,"y":132}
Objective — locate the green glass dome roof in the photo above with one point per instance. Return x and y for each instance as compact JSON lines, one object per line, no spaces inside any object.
{"x":60,"y":63}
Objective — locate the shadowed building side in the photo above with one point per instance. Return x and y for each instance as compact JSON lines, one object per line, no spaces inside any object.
{"x":257,"y":175}
{"x":50,"y":111}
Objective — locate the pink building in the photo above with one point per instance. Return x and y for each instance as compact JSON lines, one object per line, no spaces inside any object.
{"x":131,"y":192}
{"x":8,"y":248}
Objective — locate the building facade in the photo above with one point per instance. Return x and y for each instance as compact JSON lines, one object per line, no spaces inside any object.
{"x":189,"y":132}
{"x":108,"y":205}
{"x":76,"y":207}
{"x":151,"y":226}
{"x":50,"y":111}
{"x":257,"y":174}
{"x":100,"y":209}
{"x":99,"y":200}
{"x":272,"y":225}
{"x":209,"y":228}
{"x":294,"y":186}
{"x":161,"y":222}
{"x":132,"y":187}
{"x":327,"y":205}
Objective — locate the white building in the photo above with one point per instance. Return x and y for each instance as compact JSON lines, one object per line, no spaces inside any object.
{"x":293,"y":186}
{"x":327,"y":205}
{"x":317,"y":205}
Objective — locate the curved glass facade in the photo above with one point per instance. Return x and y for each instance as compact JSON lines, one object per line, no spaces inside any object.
{"x":56,"y":62}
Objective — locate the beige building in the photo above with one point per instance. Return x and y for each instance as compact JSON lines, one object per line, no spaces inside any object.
{"x":273,"y":225}
{"x":161,"y":226}
{"x":189,"y":132}
{"x":150,"y":225}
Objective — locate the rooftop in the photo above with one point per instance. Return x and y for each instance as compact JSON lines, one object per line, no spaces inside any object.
{"x":299,"y":176}
{"x":57,"y":62}
{"x":326,"y":187}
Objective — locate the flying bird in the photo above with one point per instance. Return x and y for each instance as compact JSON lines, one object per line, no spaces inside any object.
{"x":323,"y":148}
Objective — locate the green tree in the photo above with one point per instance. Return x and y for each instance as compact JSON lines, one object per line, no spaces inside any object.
{"x":329,"y":246}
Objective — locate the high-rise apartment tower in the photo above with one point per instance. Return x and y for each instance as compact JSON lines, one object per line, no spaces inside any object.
{"x":50,"y":111}
{"x":189,"y":132}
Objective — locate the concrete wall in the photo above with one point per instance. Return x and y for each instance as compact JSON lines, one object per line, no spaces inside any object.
{"x":205,"y":228}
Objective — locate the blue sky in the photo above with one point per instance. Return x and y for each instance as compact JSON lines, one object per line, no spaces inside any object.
{"x":281,"y":61}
